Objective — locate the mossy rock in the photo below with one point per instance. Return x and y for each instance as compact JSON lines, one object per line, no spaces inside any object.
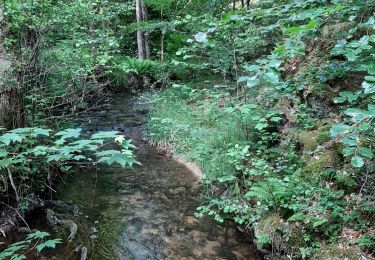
{"x":309,"y":140}
{"x":333,"y":252}
{"x":323,"y":137}
{"x":274,"y":227}
{"x":316,"y":165}
{"x":296,"y":234}
{"x":312,"y":139}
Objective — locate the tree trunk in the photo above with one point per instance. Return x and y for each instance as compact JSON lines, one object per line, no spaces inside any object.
{"x":140,"y":38}
{"x":146,"y":42}
{"x":10,"y":101}
{"x":162,"y":47}
{"x":161,"y":41}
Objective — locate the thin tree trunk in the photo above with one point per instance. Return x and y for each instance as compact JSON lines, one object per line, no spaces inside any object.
{"x":243,"y":3}
{"x":161,"y":41}
{"x":10,"y":102}
{"x":162,"y":47}
{"x":146,"y":42}
{"x":140,"y":38}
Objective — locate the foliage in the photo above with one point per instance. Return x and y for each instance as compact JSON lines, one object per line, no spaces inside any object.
{"x":261,"y":77}
{"x":34,"y":241}
{"x":274,"y":101}
{"x":25,"y":152}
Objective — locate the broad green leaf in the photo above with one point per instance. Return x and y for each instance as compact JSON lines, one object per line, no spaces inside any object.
{"x":340,"y":129}
{"x":319,"y":222}
{"x":3,"y":153}
{"x":271,"y":77}
{"x":252,"y":68}
{"x":48,"y":244}
{"x":357,"y":161}
{"x":41,"y":131}
{"x":348,"y":151}
{"x":11,"y":137}
{"x":252,"y":81}
{"x":368,"y":87}
{"x":21,"y":130}
{"x":261,"y":126}
{"x":366,"y":152}
{"x":66,"y":134}
{"x":339,"y":100}
{"x":105,"y":135}
{"x":38,"y":234}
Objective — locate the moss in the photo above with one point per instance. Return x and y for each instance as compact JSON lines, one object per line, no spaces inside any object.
{"x":333,"y":252}
{"x":317,"y":164}
{"x":296,"y":234}
{"x":312,"y":139}
{"x":275,"y":228}
{"x":332,"y":30}
{"x":323,"y":137}
{"x":308,"y":140}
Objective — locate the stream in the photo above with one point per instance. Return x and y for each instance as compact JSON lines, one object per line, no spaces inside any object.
{"x":146,"y":212}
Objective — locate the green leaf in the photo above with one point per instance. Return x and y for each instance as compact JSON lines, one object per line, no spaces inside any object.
{"x":357,"y":162}
{"x":252,"y":68}
{"x":348,"y":151}
{"x":105,"y":135}
{"x":311,"y":25}
{"x":271,"y":77}
{"x":48,"y":244}
{"x":339,"y":129}
{"x":319,"y":222}
{"x":120,"y":158}
{"x":3,"y":153}
{"x":299,"y":217}
{"x":68,"y":133}
{"x":368,"y":87}
{"x":11,"y":137}
{"x":366,"y":152}
{"x":37,"y":235}
{"x":261,"y":126}
{"x":243,"y":79}
{"x":41,"y":131}
{"x":339,"y":100}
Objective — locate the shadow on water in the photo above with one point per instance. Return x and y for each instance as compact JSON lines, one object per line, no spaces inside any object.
{"x":146,"y":212}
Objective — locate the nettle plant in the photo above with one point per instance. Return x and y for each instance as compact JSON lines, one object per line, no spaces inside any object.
{"x":36,"y":241}
{"x":357,"y":130}
{"x":24,"y":151}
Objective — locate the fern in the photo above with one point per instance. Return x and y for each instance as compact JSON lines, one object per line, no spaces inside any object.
{"x":5,"y":163}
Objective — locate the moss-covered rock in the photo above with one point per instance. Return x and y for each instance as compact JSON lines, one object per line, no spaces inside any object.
{"x":273,"y":228}
{"x":323,"y":137}
{"x":316,"y":164}
{"x":333,"y":252}
{"x":310,"y":140}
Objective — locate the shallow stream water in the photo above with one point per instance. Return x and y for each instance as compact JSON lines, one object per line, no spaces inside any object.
{"x":146,"y":212}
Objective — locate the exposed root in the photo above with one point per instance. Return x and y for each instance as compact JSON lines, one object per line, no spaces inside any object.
{"x":63,"y":205}
{"x":83,"y":253}
{"x":53,"y":220}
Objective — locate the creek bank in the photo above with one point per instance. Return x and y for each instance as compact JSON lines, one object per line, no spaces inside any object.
{"x":146,"y":212}
{"x":168,"y":151}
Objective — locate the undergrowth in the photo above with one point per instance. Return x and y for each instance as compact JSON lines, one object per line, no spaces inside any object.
{"x":284,"y":130}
